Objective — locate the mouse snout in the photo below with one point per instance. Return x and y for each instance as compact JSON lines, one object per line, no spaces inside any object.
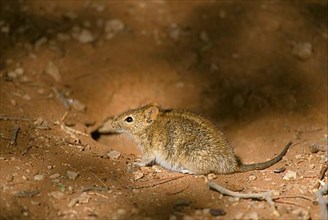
{"x":116,"y":126}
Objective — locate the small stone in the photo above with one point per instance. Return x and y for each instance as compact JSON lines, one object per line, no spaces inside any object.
{"x":41,"y":91}
{"x":82,"y":199}
{"x":251,"y":216}
{"x":39,"y":177}
{"x":56,"y":194}
{"x":280,"y":170}
{"x":114,"y":25}
{"x":55,"y":180}
{"x":175,"y":34}
{"x":72,"y":175}
{"x":12,"y":74}
{"x":49,"y":167}
{"x":217,"y":212}
{"x":121,"y":212}
{"x":290,"y":175}
{"x":179,"y":85}
{"x":40,"y":42}
{"x":114,"y":154}
{"x":181,"y":203}
{"x":53,"y":71}
{"x":252,"y":177}
{"x":212,"y":176}
{"x":137,"y":175}
{"x":77,"y":105}
{"x":13,"y":102}
{"x":303,"y":51}
{"x":239,"y":215}
{"x":10,"y":178}
{"x":54,"y":176}
{"x":71,"y":15}
{"x":63,"y":37}
{"x":26,"y":97}
{"x":172,"y":217}
{"x":85,"y":36}
{"x":301,"y":213}
{"x":19,"y":71}
{"x":222,"y":14}
{"x":203,"y":36}
{"x":36,"y":203}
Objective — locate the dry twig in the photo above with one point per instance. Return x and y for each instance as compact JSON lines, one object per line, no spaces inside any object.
{"x":13,"y":118}
{"x":267,"y":196}
{"x":179,"y":191}
{"x":322,"y":172}
{"x":102,"y":182}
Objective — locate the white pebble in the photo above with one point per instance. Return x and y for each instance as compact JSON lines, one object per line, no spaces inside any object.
{"x":39,"y":177}
{"x":72,"y":175}
{"x":303,"y":51}
{"x":114,"y":154}
{"x":290,"y":175}
{"x":85,"y":36}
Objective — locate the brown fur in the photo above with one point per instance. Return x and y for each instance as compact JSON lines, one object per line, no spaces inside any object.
{"x":182,"y":141}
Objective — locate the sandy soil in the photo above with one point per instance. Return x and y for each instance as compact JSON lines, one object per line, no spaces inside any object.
{"x":257,"y":69}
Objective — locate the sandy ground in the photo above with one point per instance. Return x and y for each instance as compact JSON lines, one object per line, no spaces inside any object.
{"x":257,"y":69}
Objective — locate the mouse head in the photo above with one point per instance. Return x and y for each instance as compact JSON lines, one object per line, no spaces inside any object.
{"x":136,"y":120}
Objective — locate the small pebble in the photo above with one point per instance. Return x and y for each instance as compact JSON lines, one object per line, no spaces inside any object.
{"x":280,"y":170}
{"x":252,"y":177}
{"x":13,"y":102}
{"x":303,"y":51}
{"x":251,"y":216}
{"x":137,"y":175}
{"x":85,"y":36}
{"x":54,"y":176}
{"x":290,"y":175}
{"x":77,"y":105}
{"x":114,"y":25}
{"x":203,"y":36}
{"x":26,"y":97}
{"x":39,"y":177}
{"x":181,"y":202}
{"x":72,"y":175}
{"x":56,"y":194}
{"x":53,"y":71}
{"x":114,"y":154}
{"x":217,"y":212}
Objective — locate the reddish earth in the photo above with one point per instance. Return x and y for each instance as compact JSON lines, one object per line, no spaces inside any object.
{"x":257,"y":69}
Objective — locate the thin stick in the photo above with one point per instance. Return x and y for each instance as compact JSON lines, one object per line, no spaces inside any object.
{"x":260,"y":196}
{"x":12,"y":118}
{"x":294,"y":196}
{"x":100,"y":180}
{"x":291,"y":203}
{"x":179,"y":191}
{"x":158,"y":182}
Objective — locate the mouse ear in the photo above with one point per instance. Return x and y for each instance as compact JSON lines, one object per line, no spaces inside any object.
{"x":151,"y":113}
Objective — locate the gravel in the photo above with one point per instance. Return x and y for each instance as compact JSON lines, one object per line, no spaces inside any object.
{"x":72,"y":175}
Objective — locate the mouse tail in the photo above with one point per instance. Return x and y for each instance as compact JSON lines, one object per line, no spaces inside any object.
{"x":264,"y":165}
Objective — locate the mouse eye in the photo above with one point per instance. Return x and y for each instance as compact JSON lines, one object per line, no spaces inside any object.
{"x":129,"y":119}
